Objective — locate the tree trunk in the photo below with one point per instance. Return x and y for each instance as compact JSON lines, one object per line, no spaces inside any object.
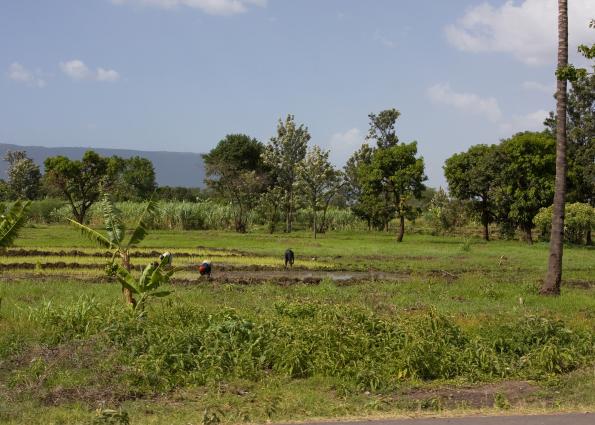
{"x":79,"y":216}
{"x":589,"y":241}
{"x":528,"y":235}
{"x":289,"y":217}
{"x":486,"y":230}
{"x":127,"y":293}
{"x":401,"y":228}
{"x":553,"y":279}
{"x":314,"y":223}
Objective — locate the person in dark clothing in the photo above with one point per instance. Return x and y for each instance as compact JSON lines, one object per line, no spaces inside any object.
{"x":205,"y":269}
{"x":289,"y":258}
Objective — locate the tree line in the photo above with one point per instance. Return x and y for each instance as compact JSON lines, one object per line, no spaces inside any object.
{"x":286,"y":174}
{"x":80,"y":182}
{"x":506,"y":183}
{"x":510,"y":182}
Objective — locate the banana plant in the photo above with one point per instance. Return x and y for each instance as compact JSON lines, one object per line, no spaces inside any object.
{"x":115,"y":238}
{"x":153,"y":276}
{"x":12,"y":222}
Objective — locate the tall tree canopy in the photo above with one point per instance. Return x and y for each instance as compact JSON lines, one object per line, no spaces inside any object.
{"x":398,"y":174}
{"x":472,"y":176}
{"x":318,"y":181}
{"x":283,"y":155}
{"x":385,"y":177}
{"x":526,"y":181}
{"x":78,"y":181}
{"x":24,"y":176}
{"x":382,"y":128}
{"x":236,"y":172}
{"x":365,"y":204}
{"x":131,"y":179}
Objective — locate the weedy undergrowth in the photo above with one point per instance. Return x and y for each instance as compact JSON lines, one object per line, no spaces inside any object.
{"x":184,"y":346}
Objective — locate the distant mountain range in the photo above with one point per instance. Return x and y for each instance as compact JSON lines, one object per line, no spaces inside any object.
{"x":171,"y":168}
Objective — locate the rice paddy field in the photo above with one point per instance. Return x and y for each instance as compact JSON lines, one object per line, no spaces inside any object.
{"x":361,"y":326}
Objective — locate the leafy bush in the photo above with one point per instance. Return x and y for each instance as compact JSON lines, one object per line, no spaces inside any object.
{"x":579,"y":220}
{"x":43,"y":211}
{"x":445,"y":214}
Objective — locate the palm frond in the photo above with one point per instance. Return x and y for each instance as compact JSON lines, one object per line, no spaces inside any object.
{"x":93,"y":235}
{"x":146,"y":276}
{"x":12,"y":222}
{"x":112,"y":218}
{"x":126,"y":279}
{"x":141,"y":231}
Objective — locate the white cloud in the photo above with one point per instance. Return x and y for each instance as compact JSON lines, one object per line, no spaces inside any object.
{"x":385,"y":41}
{"x":525,"y":29}
{"x":529,"y":122}
{"x":107,"y":75}
{"x":77,"y":70}
{"x":342,"y":145}
{"x":19,"y":73}
{"x":468,"y":102}
{"x":212,"y":7}
{"x":540,"y":87}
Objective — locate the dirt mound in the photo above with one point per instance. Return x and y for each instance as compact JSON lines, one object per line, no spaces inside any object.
{"x":20,"y":252}
{"x":55,"y":265}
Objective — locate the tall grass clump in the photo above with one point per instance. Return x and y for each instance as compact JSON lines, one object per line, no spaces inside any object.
{"x":178,"y":345}
{"x":205,"y":215}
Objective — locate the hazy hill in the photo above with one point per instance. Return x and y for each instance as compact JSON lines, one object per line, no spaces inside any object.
{"x":172,"y":168}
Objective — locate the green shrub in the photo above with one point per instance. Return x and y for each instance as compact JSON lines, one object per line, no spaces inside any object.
{"x":579,"y":220}
{"x":43,"y":211}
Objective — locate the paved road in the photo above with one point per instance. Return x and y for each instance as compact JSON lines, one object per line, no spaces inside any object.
{"x":564,"y":419}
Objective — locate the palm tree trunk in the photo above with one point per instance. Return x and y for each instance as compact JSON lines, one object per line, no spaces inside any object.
{"x":553,"y":279}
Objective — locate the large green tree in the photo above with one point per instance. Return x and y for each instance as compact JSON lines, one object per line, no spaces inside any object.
{"x":236,"y":172}
{"x":318,"y":181}
{"x":398,"y":174}
{"x":364,"y":203}
{"x":382,"y":128}
{"x":393,"y":174}
{"x":283,"y":155}
{"x":526,"y":181}
{"x":78,"y":181}
{"x":131,"y":179}
{"x":472,"y":176}
{"x":24,"y":177}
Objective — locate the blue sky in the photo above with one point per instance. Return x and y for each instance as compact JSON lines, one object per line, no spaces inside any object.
{"x":179,"y":75}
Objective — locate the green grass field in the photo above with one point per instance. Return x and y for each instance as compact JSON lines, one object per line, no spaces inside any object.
{"x":453,"y":325}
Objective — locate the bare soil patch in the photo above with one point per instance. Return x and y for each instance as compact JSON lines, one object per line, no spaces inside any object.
{"x":578,"y":283}
{"x":502,"y":394}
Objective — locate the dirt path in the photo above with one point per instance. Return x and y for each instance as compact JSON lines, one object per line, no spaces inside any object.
{"x":563,"y":419}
